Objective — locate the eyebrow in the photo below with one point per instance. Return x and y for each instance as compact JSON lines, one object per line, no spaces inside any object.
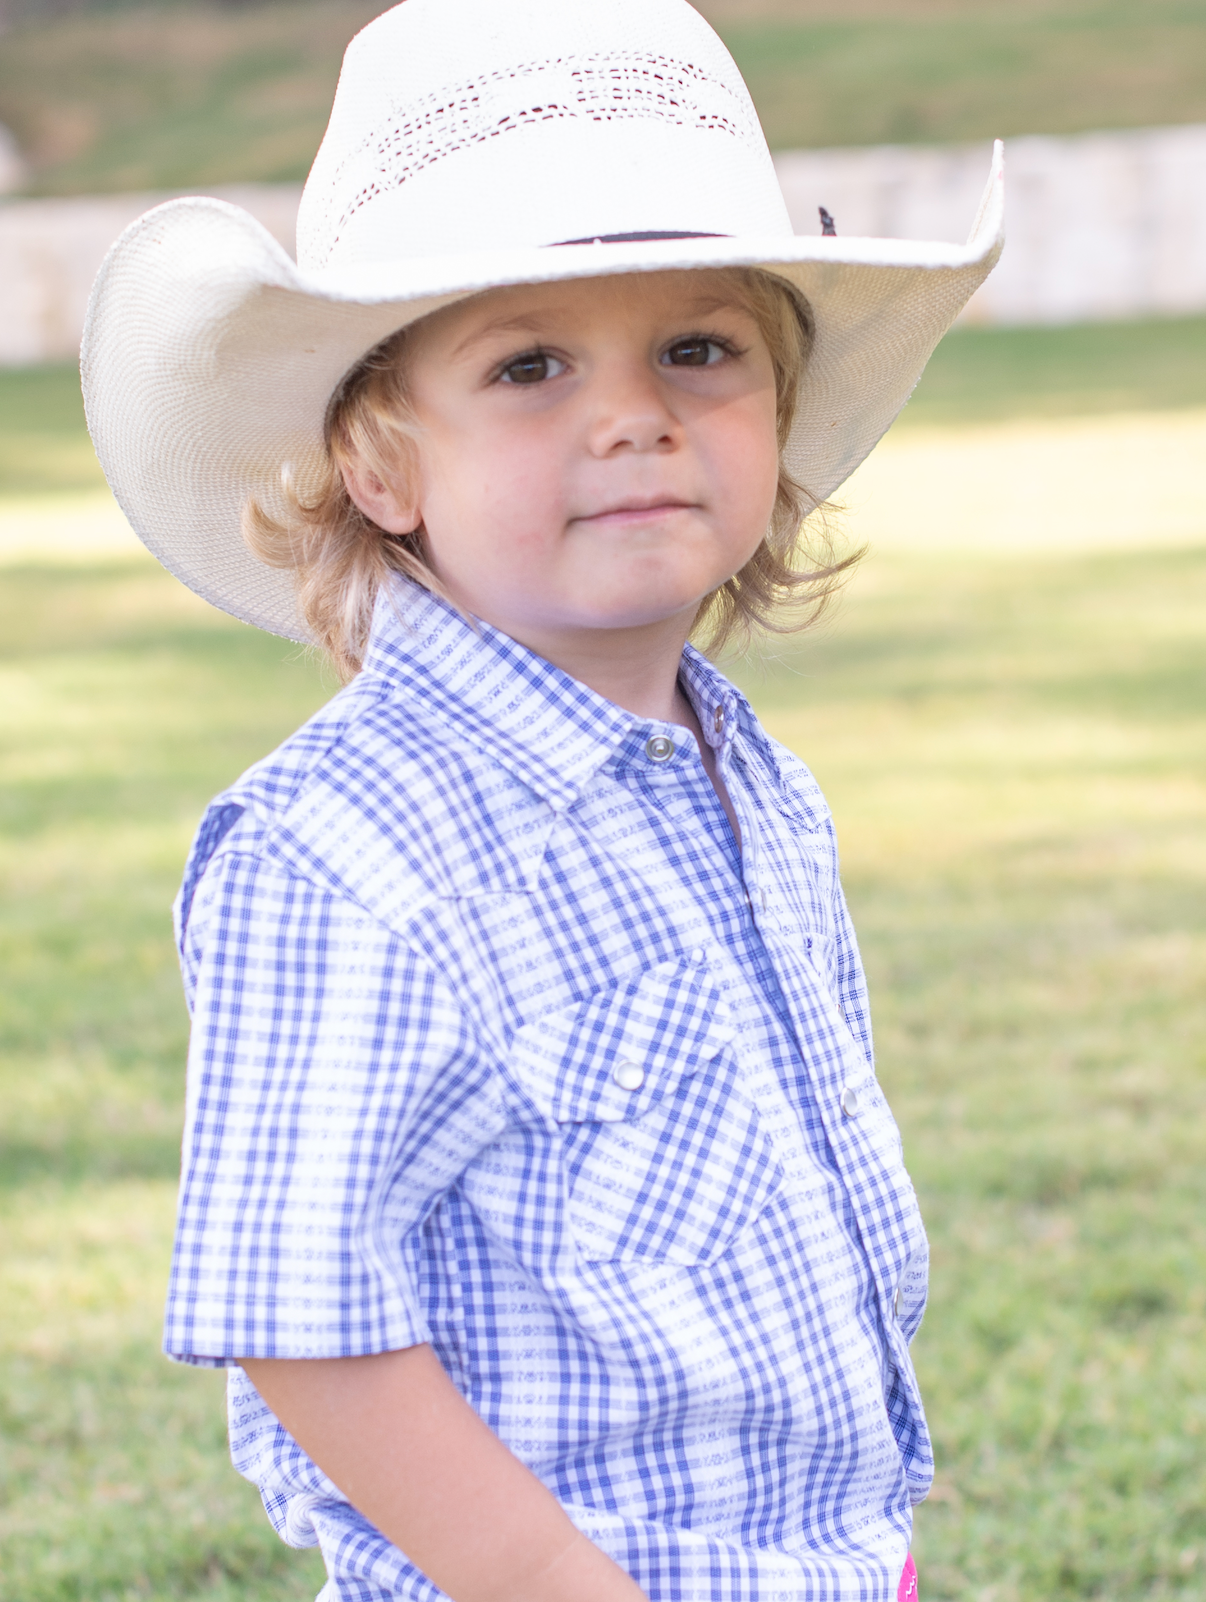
{"x":705,"y":305}
{"x":536,"y":322}
{"x":524,"y":323}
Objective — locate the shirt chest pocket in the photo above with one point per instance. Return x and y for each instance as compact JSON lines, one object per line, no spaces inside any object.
{"x":662,"y":1153}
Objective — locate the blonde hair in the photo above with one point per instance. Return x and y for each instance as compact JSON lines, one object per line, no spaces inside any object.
{"x":341,"y":558}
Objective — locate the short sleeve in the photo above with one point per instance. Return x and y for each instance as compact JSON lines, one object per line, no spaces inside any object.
{"x":335,"y":1093}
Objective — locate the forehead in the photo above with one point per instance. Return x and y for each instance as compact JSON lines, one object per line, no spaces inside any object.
{"x":628,"y":297}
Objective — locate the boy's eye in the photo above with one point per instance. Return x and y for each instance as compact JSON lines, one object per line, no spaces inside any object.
{"x":696,"y":352}
{"x":533,"y":367}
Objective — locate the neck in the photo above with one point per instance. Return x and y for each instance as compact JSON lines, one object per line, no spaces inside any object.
{"x":634,"y":668}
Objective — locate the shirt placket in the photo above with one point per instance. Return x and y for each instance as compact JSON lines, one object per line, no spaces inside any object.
{"x":831,"y":1075}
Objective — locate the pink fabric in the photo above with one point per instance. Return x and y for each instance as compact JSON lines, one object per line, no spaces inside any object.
{"x":906,"y":1591}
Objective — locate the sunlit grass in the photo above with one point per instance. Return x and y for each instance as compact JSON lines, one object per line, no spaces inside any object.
{"x":1016,"y":753}
{"x":1012,"y":734}
{"x":123,"y":702}
{"x":1015,"y":750}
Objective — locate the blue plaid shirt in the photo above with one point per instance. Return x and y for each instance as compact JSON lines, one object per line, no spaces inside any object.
{"x":501,"y":1043}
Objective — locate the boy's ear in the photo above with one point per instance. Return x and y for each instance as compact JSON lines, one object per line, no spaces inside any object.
{"x":395,"y":513}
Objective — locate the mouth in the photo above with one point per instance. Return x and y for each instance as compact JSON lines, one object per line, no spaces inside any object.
{"x":637,"y":509}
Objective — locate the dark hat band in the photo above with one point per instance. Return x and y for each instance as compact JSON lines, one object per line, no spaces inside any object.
{"x":635,"y":239}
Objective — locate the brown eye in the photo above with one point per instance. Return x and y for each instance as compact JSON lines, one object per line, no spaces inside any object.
{"x":693,"y":353}
{"x":533,"y":367}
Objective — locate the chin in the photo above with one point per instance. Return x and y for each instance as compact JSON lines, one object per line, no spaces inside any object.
{"x":635,"y":617}
{"x":640,"y":602}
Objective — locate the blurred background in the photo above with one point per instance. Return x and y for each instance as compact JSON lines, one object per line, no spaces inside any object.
{"x":1006,"y":712}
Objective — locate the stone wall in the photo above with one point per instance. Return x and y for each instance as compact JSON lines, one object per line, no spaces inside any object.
{"x":50,"y":251}
{"x":1100,"y":226}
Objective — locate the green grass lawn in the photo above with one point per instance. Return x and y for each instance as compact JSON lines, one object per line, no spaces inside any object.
{"x":1016,"y":754}
{"x":123,"y":703}
{"x":1015,"y":750}
{"x":985,"y":375}
{"x":44,"y":444}
{"x":915,"y":71}
{"x":178,"y":94}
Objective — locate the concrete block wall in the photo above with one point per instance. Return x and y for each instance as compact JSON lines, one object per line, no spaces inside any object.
{"x":50,"y":251}
{"x":1100,"y":226}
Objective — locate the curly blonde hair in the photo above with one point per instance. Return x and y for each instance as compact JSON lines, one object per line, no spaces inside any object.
{"x":341,"y":558}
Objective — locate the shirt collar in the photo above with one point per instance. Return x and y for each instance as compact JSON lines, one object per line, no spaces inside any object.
{"x":543,"y":726}
{"x":553,"y":733}
{"x":717,"y":703}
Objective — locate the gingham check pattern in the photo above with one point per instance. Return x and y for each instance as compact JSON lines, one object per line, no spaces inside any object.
{"x":500,"y":1043}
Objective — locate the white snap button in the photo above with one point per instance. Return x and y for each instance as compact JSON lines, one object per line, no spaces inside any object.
{"x":898,"y":1300}
{"x":697,"y":953}
{"x":849,"y":1102}
{"x":628,"y":1075}
{"x":659,"y":748}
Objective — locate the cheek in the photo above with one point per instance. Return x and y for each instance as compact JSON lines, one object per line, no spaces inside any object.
{"x":489,"y":506}
{"x":745,"y":459}
{"x":504,"y":475}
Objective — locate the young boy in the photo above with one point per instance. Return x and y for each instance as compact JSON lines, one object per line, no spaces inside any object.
{"x":538,"y":1192}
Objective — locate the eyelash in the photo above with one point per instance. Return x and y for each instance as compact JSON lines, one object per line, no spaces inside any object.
{"x":538,"y":352}
{"x":700,"y":338}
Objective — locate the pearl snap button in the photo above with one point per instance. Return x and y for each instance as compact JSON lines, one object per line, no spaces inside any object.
{"x":718,"y":720}
{"x":658,"y":748}
{"x":898,"y":1300}
{"x":697,"y":953}
{"x":849,"y":1102}
{"x":628,"y":1075}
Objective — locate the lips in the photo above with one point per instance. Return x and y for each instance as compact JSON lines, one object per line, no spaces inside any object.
{"x":635,"y":508}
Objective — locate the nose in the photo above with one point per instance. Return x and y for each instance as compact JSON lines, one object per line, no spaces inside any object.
{"x":629,"y":411}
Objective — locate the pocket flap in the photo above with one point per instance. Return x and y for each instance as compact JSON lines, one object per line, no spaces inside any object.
{"x":611,"y":1057}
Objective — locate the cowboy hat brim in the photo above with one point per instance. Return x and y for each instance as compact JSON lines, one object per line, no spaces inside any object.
{"x":209,"y":358}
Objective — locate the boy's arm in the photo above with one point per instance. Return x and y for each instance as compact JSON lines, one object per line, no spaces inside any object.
{"x":407,"y":1450}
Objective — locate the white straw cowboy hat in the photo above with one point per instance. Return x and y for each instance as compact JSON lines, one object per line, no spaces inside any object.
{"x":474,"y":144}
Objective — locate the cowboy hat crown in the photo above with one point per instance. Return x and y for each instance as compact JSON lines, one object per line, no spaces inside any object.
{"x":460,"y":125}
